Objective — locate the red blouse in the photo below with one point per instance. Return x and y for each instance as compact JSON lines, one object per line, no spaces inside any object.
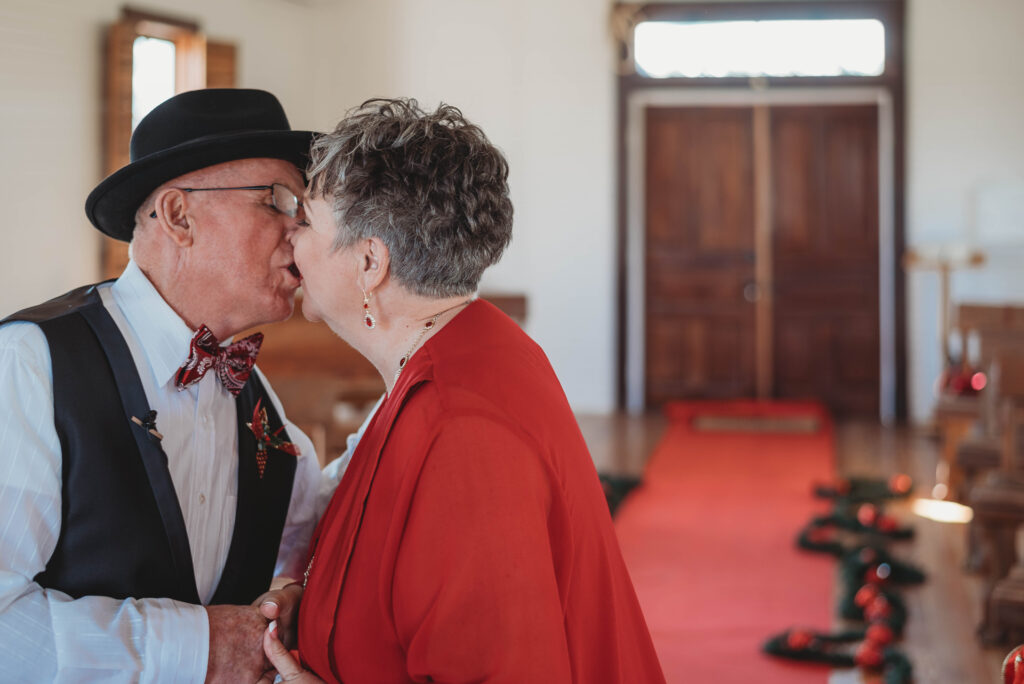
{"x":469,"y":540}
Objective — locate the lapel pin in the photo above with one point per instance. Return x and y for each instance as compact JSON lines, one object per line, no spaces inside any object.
{"x":148,"y":423}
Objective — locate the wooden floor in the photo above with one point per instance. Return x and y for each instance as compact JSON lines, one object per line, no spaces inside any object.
{"x":943,"y":613}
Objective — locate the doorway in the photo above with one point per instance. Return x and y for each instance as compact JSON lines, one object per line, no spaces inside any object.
{"x":760,"y":247}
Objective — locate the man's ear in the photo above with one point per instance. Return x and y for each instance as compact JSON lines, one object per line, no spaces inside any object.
{"x":374,"y":263}
{"x":172,"y":217}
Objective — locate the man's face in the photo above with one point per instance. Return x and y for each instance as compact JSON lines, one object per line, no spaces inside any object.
{"x":240,"y":254}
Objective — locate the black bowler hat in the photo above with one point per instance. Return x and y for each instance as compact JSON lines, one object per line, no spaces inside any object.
{"x":191,"y":131}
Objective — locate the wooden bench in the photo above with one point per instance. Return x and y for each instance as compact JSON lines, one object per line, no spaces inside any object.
{"x":998,"y":503}
{"x":969,"y":425}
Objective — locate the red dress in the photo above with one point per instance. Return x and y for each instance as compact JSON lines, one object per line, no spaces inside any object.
{"x":469,"y":540}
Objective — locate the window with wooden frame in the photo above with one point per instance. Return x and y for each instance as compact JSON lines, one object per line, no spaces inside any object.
{"x":141,"y":49}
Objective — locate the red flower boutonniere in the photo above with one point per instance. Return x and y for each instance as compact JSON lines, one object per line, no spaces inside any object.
{"x":260,"y":427}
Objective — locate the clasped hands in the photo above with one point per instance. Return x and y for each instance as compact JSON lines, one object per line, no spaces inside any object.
{"x":250,"y":643}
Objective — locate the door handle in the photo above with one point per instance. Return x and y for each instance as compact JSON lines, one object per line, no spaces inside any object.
{"x":752,"y":292}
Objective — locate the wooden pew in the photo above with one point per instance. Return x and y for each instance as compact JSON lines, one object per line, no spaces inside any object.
{"x":969,"y":425}
{"x":998,"y":503}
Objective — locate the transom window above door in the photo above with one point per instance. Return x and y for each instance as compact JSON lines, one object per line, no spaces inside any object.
{"x":783,"y":48}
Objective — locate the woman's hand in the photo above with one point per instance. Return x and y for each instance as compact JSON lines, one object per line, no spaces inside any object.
{"x":282,"y":605}
{"x":282,"y":660}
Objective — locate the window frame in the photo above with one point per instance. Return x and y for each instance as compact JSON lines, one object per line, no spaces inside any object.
{"x":198,"y":63}
{"x":889,"y":12}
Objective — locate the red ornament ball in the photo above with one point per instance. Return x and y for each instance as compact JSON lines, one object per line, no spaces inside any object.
{"x":978,"y":381}
{"x":868,"y":655}
{"x":865,"y":595}
{"x":880,"y":633}
{"x":1013,"y":666}
{"x":878,"y":574}
{"x":867,"y":514}
{"x":878,"y":609}
{"x":886,"y":523}
{"x":799,"y":639}
{"x":900,"y":483}
{"x":959,"y":383}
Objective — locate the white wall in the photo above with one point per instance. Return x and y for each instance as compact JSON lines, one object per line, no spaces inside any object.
{"x":965,"y":141}
{"x":538,"y":77}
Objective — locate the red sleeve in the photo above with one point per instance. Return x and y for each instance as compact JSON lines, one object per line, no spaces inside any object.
{"x":475,"y":595}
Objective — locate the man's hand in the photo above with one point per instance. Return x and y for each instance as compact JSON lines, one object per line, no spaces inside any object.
{"x":236,"y":644}
{"x":282,"y":605}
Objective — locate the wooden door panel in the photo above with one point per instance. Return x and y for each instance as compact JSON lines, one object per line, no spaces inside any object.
{"x":796,"y":189}
{"x":824,"y":358}
{"x":689,"y":285}
{"x":825,"y":255}
{"x":851,"y":193}
{"x":694,"y":356}
{"x":699,"y":253}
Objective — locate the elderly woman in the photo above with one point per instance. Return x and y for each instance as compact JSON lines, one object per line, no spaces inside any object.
{"x":469,"y":540}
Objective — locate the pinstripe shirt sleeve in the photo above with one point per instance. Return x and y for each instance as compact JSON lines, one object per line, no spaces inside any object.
{"x":44,"y":634}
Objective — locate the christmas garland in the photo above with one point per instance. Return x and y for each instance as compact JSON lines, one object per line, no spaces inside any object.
{"x":857,"y":489}
{"x":866,"y":520}
{"x":868,"y":573}
{"x":818,"y":647}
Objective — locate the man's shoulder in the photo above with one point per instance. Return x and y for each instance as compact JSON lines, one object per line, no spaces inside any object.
{"x":18,"y":334}
{"x":56,"y":307}
{"x":24,"y":351}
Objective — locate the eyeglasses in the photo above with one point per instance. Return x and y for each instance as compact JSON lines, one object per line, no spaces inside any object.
{"x":282,"y":199}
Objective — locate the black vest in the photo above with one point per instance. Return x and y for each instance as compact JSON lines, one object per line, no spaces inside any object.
{"x":122,"y":533}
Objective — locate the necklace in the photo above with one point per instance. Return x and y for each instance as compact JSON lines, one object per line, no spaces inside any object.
{"x":419,"y":336}
{"x":423,"y":331}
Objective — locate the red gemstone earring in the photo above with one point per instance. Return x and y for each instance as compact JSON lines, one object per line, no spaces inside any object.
{"x":368,"y":318}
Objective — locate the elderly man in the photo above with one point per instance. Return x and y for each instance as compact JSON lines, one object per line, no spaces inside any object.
{"x":146,"y":470}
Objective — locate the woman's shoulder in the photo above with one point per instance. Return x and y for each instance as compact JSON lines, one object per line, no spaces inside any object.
{"x":441,"y":404}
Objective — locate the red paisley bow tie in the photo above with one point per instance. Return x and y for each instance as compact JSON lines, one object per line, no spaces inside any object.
{"x":233,"y":363}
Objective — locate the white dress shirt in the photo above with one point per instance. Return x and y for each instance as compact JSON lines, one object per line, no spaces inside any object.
{"x":44,"y":634}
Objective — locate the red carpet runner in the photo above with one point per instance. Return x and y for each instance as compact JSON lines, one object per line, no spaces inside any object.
{"x":709,"y":542}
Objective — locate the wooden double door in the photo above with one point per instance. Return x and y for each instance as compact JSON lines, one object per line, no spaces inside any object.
{"x":762,"y":254}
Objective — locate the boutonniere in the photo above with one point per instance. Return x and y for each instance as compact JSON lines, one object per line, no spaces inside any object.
{"x":148,"y":423}
{"x":260,"y":427}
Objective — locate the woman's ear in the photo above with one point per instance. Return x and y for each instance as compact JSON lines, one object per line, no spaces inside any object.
{"x":374,"y":263}
{"x":172,"y":218}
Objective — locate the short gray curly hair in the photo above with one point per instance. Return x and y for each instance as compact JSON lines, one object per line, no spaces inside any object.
{"x":429,"y":185}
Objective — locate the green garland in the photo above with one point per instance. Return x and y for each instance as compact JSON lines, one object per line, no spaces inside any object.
{"x":859,"y":490}
{"x":818,"y":647}
{"x":865,"y":520}
{"x":867,"y":572}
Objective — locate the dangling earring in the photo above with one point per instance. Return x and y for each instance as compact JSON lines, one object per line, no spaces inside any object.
{"x":368,"y":318}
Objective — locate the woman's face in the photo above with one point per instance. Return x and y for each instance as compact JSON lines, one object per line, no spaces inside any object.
{"x":329,"y":291}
